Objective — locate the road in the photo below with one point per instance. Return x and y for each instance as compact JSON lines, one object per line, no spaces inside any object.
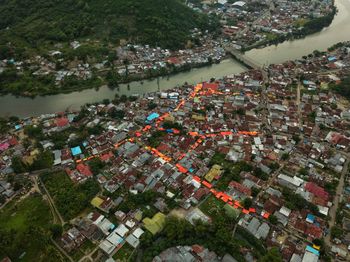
{"x":61,"y":250}
{"x":339,"y":191}
{"x":298,"y":102}
{"x":52,"y":204}
{"x":89,"y":256}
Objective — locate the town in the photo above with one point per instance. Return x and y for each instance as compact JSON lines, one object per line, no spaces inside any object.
{"x":90,"y":63}
{"x":260,"y":158}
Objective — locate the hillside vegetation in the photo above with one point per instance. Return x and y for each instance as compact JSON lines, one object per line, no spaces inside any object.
{"x":165,"y":23}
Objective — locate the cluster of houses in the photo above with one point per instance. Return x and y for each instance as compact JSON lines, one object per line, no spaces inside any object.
{"x":98,"y":229}
{"x":248,"y":23}
{"x":136,"y":61}
{"x":294,"y":135}
{"x":191,"y":254}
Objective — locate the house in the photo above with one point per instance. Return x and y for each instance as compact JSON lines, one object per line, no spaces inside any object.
{"x":214,"y":172}
{"x":290,"y":182}
{"x":102,"y":203}
{"x":84,"y":170}
{"x":155,"y":224}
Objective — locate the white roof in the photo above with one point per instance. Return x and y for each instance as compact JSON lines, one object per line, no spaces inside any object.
{"x":130,"y":224}
{"x":323,"y":210}
{"x":107,"y":247}
{"x":310,"y":257}
{"x":114,"y":238}
{"x":121,"y":230}
{"x":138,"y":232}
{"x":257,"y":140}
{"x":285,"y":211}
{"x":293,"y":180}
{"x":133,"y":241}
{"x":239,"y":3}
{"x":222,"y":2}
{"x":105,"y":226}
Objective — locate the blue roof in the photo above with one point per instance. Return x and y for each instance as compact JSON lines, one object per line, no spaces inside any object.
{"x":18,"y":127}
{"x":76,"y":150}
{"x":332,"y":58}
{"x":310,"y":217}
{"x":312,"y":250}
{"x":152,"y":116}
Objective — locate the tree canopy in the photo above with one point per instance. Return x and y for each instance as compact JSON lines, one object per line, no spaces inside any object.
{"x":155,"y":22}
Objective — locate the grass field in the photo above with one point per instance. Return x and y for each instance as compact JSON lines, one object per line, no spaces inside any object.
{"x":212,"y":207}
{"x":31,"y":209}
{"x":124,"y":253}
{"x":24,"y":234}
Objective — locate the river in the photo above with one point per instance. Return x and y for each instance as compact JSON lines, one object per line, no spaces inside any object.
{"x":338,"y":31}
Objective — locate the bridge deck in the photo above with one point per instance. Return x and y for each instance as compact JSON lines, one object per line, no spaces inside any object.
{"x":244,"y":59}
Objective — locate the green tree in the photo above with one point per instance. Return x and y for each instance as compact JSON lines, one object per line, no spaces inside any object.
{"x":273,"y":255}
{"x":336,"y":232}
{"x":18,"y":165}
{"x":96,"y":165}
{"x":56,"y":230}
{"x":285,"y":156}
{"x":247,"y":203}
{"x":42,"y":161}
{"x":273,"y":219}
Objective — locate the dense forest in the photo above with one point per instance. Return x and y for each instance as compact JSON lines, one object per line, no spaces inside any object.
{"x":342,"y":88}
{"x":155,"y":22}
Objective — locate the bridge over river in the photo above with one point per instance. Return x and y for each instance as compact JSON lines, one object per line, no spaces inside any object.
{"x":245,"y":60}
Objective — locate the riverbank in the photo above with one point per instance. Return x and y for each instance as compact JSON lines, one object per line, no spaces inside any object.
{"x":26,"y":106}
{"x":48,"y":75}
{"x":311,"y":27}
{"x":97,"y":82}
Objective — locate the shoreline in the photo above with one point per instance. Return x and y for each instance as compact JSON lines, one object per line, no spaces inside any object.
{"x":142,"y":77}
{"x":292,"y":36}
{"x":136,"y":78}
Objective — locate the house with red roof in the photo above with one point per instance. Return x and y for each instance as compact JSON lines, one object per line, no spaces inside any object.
{"x":62,"y":122}
{"x":107,"y":157}
{"x":84,"y":170}
{"x":240,"y":188}
{"x":317,"y":191}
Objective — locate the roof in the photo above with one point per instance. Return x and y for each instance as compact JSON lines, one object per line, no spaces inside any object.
{"x":239,"y":3}
{"x":215,"y":171}
{"x":122,"y":230}
{"x":61,"y":122}
{"x":138,"y":232}
{"x":76,"y":150}
{"x":313,"y":250}
{"x":285,"y":211}
{"x":292,"y":180}
{"x":240,"y":188}
{"x":96,"y":201}
{"x":152,"y":116}
{"x":107,"y":247}
{"x":114,"y":238}
{"x":133,"y":241}
{"x":84,"y":170}
{"x":316,"y":190}
{"x":155,"y":224}
{"x":310,"y":257}
{"x":310,"y":218}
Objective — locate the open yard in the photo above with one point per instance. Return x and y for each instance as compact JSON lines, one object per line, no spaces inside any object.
{"x":24,"y":234}
{"x":124,"y":253}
